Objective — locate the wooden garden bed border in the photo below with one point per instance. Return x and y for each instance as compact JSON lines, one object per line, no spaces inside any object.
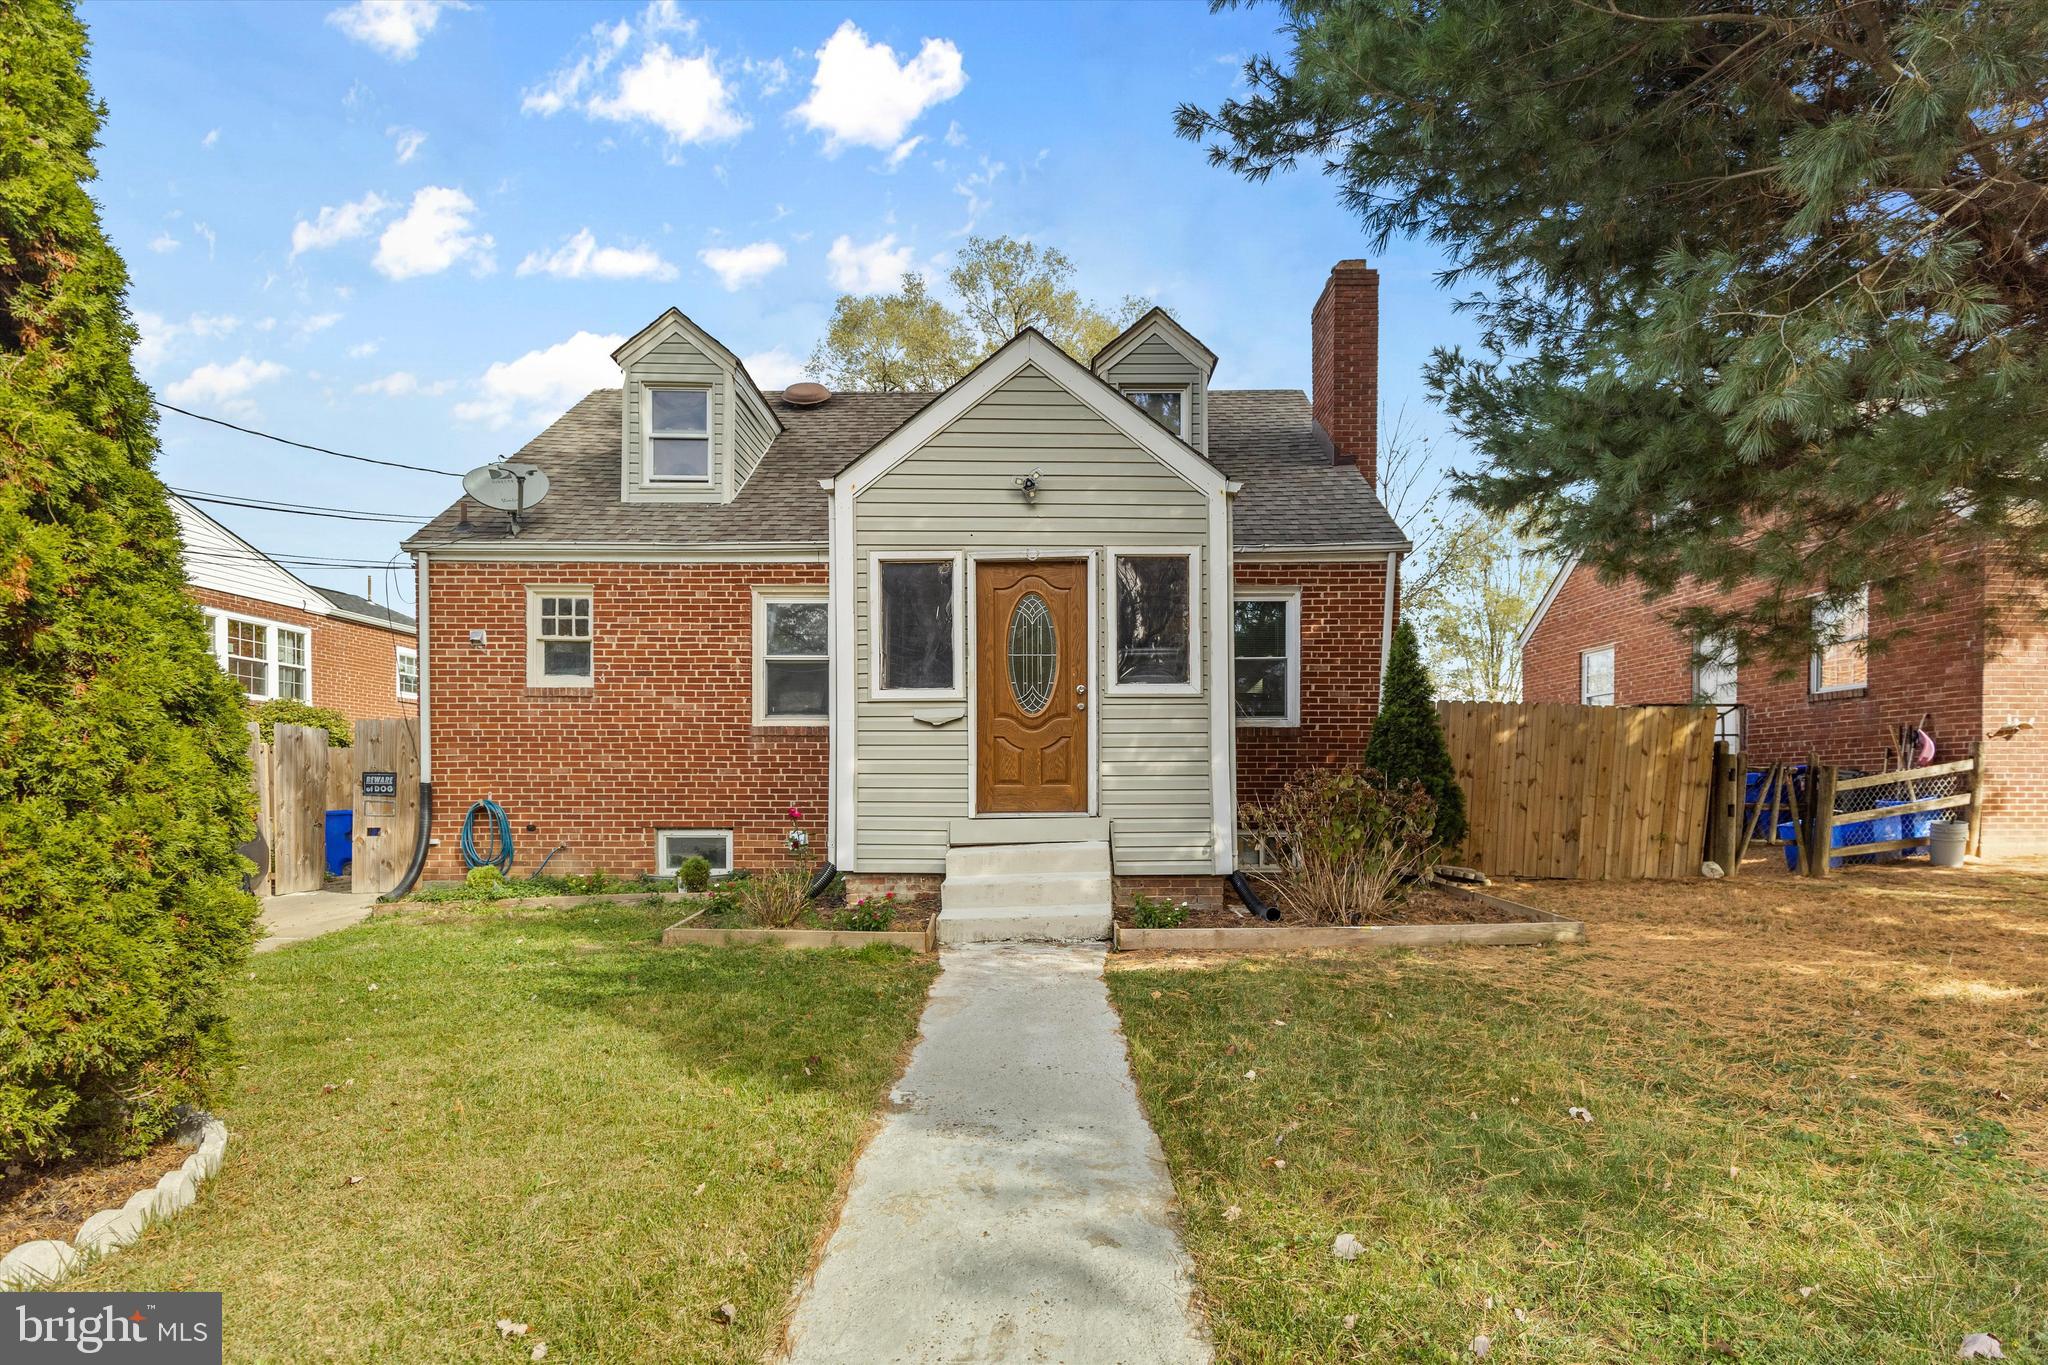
{"x":547,"y":902}
{"x":918,"y":940}
{"x":1535,"y":927}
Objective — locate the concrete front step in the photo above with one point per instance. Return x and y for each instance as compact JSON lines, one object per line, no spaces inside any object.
{"x":1024,"y":891}
{"x":994,"y":860}
{"x":1027,"y":829}
{"x":1041,"y":924}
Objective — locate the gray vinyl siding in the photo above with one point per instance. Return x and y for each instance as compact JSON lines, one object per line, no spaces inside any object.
{"x":674,"y":361}
{"x":1099,"y":490}
{"x":1154,"y":364}
{"x":751,"y":435}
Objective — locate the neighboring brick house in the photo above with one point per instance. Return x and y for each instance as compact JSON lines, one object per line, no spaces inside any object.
{"x":281,"y":637}
{"x":1055,"y":603}
{"x":1593,"y":641}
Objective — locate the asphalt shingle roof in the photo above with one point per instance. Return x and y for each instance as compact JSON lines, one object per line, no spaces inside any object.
{"x":1292,"y":495}
{"x":363,"y":606}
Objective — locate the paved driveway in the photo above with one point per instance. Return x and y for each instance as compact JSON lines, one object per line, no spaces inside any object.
{"x":1015,"y":1205}
{"x":309,"y":914}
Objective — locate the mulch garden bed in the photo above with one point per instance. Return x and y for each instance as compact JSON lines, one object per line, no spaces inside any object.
{"x":1425,"y":906}
{"x":38,"y":1202}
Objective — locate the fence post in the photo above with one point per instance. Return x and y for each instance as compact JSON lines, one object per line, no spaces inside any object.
{"x":1974,"y":840}
{"x":1821,"y":824}
{"x":1724,"y":815}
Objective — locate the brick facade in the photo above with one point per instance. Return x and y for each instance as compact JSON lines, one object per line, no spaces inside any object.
{"x":355,"y":666}
{"x":663,"y":738}
{"x":1941,"y":666}
{"x":1343,"y":617}
{"x":1344,"y":364}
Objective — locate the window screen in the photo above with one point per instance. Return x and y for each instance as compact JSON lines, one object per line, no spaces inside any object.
{"x":917,"y":625}
{"x":679,"y":433}
{"x":1262,"y":662}
{"x":795,"y":663}
{"x":1152,"y":627}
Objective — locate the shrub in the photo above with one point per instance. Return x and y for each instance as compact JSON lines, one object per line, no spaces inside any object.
{"x":695,"y":873}
{"x":483,"y":879}
{"x":124,"y":778}
{"x":1157,"y":912}
{"x":773,"y":900}
{"x":1347,"y":845}
{"x":870,"y":914}
{"x":1407,"y":743}
{"x":284,"y":711}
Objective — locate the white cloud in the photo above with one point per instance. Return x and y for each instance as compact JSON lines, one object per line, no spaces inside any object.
{"x":774,"y":369}
{"x":978,"y":188}
{"x":772,"y":75}
{"x":337,"y":224}
{"x":201,"y":230}
{"x":400,"y":384}
{"x":319,"y":322}
{"x":212,"y":324}
{"x":686,"y":97}
{"x":211,"y":140}
{"x":739,"y":266}
{"x":219,"y":383}
{"x":540,"y":385}
{"x":433,"y":235}
{"x":903,"y":151}
{"x":158,"y":335}
{"x":163,"y":242}
{"x":406,"y":142}
{"x":395,"y":28}
{"x":362,"y":350}
{"x":580,"y":255}
{"x":955,"y":137}
{"x":868,"y":269}
{"x":683,"y":96}
{"x":862,"y":97}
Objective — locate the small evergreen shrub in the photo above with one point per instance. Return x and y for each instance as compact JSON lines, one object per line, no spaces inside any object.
{"x":1407,"y":743}
{"x":695,"y":873}
{"x":870,"y":914}
{"x":483,"y":880}
{"x":284,"y":711}
{"x":1157,"y":912}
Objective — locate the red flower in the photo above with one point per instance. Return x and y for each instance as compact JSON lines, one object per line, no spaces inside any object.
{"x":888,"y":895}
{"x":795,"y":814}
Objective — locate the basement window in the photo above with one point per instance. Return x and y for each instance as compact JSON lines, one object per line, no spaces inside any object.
{"x":673,"y":846}
{"x":1841,"y":632}
{"x":558,"y":637}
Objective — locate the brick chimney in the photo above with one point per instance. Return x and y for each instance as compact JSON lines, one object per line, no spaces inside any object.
{"x":1345,"y":365}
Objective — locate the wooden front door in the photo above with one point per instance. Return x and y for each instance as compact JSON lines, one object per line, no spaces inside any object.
{"x":1031,"y":687}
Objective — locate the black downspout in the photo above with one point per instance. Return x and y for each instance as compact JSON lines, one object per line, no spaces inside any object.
{"x":419,"y":847}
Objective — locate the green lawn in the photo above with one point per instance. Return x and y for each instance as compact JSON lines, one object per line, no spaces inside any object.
{"x":1737,"y":1155}
{"x":555,"y":1122}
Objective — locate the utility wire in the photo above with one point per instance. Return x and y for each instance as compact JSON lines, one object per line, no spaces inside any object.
{"x":318,"y":450}
{"x":263,"y":505}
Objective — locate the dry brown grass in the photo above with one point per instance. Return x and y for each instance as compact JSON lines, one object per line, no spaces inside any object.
{"x":1936,"y":979}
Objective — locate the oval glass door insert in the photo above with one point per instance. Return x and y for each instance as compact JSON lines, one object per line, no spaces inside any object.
{"x":1034,"y":653}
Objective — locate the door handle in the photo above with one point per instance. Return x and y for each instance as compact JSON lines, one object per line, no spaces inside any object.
{"x":1080,"y":689}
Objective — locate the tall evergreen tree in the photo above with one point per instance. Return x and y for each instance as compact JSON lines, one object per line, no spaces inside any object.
{"x":124,"y":781}
{"x":1762,"y":285}
{"x":1407,"y":743}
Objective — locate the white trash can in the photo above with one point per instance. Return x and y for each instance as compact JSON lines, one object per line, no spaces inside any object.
{"x":1946,"y":840}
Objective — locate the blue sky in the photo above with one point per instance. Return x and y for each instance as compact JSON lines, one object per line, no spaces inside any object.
{"x":415,"y":231}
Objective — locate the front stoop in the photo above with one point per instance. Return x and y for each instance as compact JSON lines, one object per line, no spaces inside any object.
{"x":1041,"y":892}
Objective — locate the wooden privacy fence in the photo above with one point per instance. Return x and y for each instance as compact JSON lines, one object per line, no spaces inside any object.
{"x":299,"y":778}
{"x":387,"y":802}
{"x":1591,"y":792}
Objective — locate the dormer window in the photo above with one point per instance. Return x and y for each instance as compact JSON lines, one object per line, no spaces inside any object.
{"x":1168,"y":407}
{"x":679,"y":435}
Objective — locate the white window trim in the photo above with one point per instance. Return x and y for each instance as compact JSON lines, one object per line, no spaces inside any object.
{"x":217,"y":621}
{"x":1813,"y":685}
{"x":647,"y":434}
{"x":877,"y":692}
{"x":534,"y":592}
{"x":397,"y":663}
{"x":762,"y":597}
{"x":1291,"y":720}
{"x":1613,"y":682}
{"x":661,"y":837}
{"x":1193,"y":686}
{"x":1187,"y":400}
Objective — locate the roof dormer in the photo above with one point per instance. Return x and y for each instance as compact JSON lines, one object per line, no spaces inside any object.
{"x":695,"y":426}
{"x":1163,"y":368}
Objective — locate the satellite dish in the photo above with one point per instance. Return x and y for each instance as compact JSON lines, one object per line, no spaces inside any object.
{"x":507,"y":486}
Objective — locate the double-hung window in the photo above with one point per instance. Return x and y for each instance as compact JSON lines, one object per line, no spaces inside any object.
{"x":1267,"y":629}
{"x":916,"y":622}
{"x":408,"y":673}
{"x":559,"y":643}
{"x":1155,"y":621}
{"x":1841,"y":631}
{"x":679,"y":435}
{"x":265,"y":659}
{"x":1596,"y":676}
{"x":792,"y":656}
{"x":1168,"y":407}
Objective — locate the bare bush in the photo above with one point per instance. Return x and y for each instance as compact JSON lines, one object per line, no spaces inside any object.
{"x":1344,"y":844}
{"x":773,"y":900}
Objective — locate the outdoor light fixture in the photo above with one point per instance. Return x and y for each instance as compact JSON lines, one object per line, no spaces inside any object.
{"x":1027,"y":484}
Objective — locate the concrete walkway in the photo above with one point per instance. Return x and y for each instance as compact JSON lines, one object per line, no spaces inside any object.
{"x":1015,"y":1205}
{"x":309,"y":914}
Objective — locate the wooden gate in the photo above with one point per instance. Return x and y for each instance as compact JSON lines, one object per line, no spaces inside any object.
{"x":387,"y":802}
{"x":299,"y":778}
{"x":1591,"y":792}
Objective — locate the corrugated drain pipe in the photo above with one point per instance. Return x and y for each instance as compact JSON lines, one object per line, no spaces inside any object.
{"x":1242,"y":885}
{"x":419,"y":846}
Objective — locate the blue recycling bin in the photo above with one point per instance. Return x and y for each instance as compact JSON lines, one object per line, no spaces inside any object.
{"x":341,"y":833}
